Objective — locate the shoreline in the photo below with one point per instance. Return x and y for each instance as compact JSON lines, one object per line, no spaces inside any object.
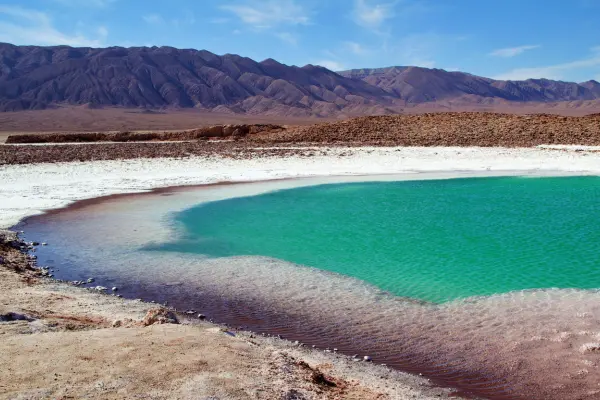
{"x":33,"y":189}
{"x":477,"y":167}
{"x":98,"y":321}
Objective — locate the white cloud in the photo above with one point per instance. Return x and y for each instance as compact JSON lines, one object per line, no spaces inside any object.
{"x":153,"y":19}
{"x":513,"y":51}
{"x":556,"y":71}
{"x":331,"y":65}
{"x":268,"y":13}
{"x":355,"y":48}
{"x":25,"y":26}
{"x":372,"y":15}
{"x":288,"y":38}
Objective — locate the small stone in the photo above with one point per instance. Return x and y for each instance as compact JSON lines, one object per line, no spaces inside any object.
{"x":159,"y":316}
{"x":367,"y":358}
{"x":90,"y":280}
{"x":116,"y":324}
{"x":201,"y":316}
{"x":35,"y":243}
{"x":114,"y":289}
{"x":100,"y":288}
{"x":590,"y":348}
{"x":335,"y":349}
{"x":44,"y":244}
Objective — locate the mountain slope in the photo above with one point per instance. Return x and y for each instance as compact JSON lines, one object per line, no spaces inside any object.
{"x":417,"y":85}
{"x":33,"y":77}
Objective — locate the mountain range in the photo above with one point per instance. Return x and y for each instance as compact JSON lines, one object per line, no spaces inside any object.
{"x":33,"y":77}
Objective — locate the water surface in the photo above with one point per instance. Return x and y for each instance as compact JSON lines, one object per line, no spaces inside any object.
{"x":434,"y":240}
{"x":348,"y":265}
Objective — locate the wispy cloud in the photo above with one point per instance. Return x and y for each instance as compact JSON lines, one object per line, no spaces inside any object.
{"x":557,"y":71}
{"x":86,"y":3}
{"x":355,"y":48}
{"x":269,"y":13}
{"x":331,"y":65}
{"x":288,"y":38}
{"x":513,"y":51}
{"x":153,"y":19}
{"x":372,"y":15}
{"x":26,"y":26}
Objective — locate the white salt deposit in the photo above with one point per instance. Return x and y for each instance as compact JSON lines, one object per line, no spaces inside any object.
{"x":31,"y":189}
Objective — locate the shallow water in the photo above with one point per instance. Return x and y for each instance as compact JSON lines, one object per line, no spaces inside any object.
{"x":522,"y":344}
{"x":434,"y":240}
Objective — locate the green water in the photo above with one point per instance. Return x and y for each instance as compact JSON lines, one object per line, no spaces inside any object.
{"x":431,"y":240}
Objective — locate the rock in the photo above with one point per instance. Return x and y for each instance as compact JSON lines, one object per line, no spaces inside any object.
{"x":228,"y":130}
{"x":90,"y":280}
{"x":35,"y":243}
{"x":590,"y":348}
{"x":159,"y":316}
{"x":114,"y":289}
{"x":367,"y":358}
{"x":100,"y":288}
{"x":11,"y":316}
{"x":201,"y":316}
{"x":117,"y":323}
{"x":44,"y":244}
{"x":213,"y":131}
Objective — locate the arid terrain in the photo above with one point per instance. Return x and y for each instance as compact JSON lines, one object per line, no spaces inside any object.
{"x":61,"y":341}
{"x":237,"y":140}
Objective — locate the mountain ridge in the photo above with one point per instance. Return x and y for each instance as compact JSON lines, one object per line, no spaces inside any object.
{"x":35,"y":77}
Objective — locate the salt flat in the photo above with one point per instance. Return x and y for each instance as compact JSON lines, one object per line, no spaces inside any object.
{"x":34,"y":188}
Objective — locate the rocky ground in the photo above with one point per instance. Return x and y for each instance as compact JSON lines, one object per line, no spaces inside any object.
{"x":449,"y":129}
{"x":65,"y":342}
{"x":241,"y":141}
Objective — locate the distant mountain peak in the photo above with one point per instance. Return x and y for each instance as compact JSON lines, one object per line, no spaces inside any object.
{"x":33,"y":77}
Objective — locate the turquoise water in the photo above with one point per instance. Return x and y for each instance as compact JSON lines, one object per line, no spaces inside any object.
{"x":435,"y":240}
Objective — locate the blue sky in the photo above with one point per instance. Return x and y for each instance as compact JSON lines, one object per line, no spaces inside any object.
{"x":505,"y":39}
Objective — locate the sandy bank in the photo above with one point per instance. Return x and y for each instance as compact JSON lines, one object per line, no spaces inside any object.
{"x":59,"y":341}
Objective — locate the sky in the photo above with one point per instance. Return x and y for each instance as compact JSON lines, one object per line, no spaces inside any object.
{"x":502,"y":39}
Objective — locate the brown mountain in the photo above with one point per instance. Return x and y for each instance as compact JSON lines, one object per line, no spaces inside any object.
{"x":33,"y":77}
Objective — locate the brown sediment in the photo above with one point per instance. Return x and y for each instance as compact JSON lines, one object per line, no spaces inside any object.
{"x":215,"y":131}
{"x":74,"y":354}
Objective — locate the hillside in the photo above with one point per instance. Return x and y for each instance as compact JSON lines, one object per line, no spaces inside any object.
{"x":419,"y":85}
{"x":33,"y":77}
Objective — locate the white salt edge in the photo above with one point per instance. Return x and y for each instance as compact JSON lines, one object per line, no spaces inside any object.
{"x":31,"y":189}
